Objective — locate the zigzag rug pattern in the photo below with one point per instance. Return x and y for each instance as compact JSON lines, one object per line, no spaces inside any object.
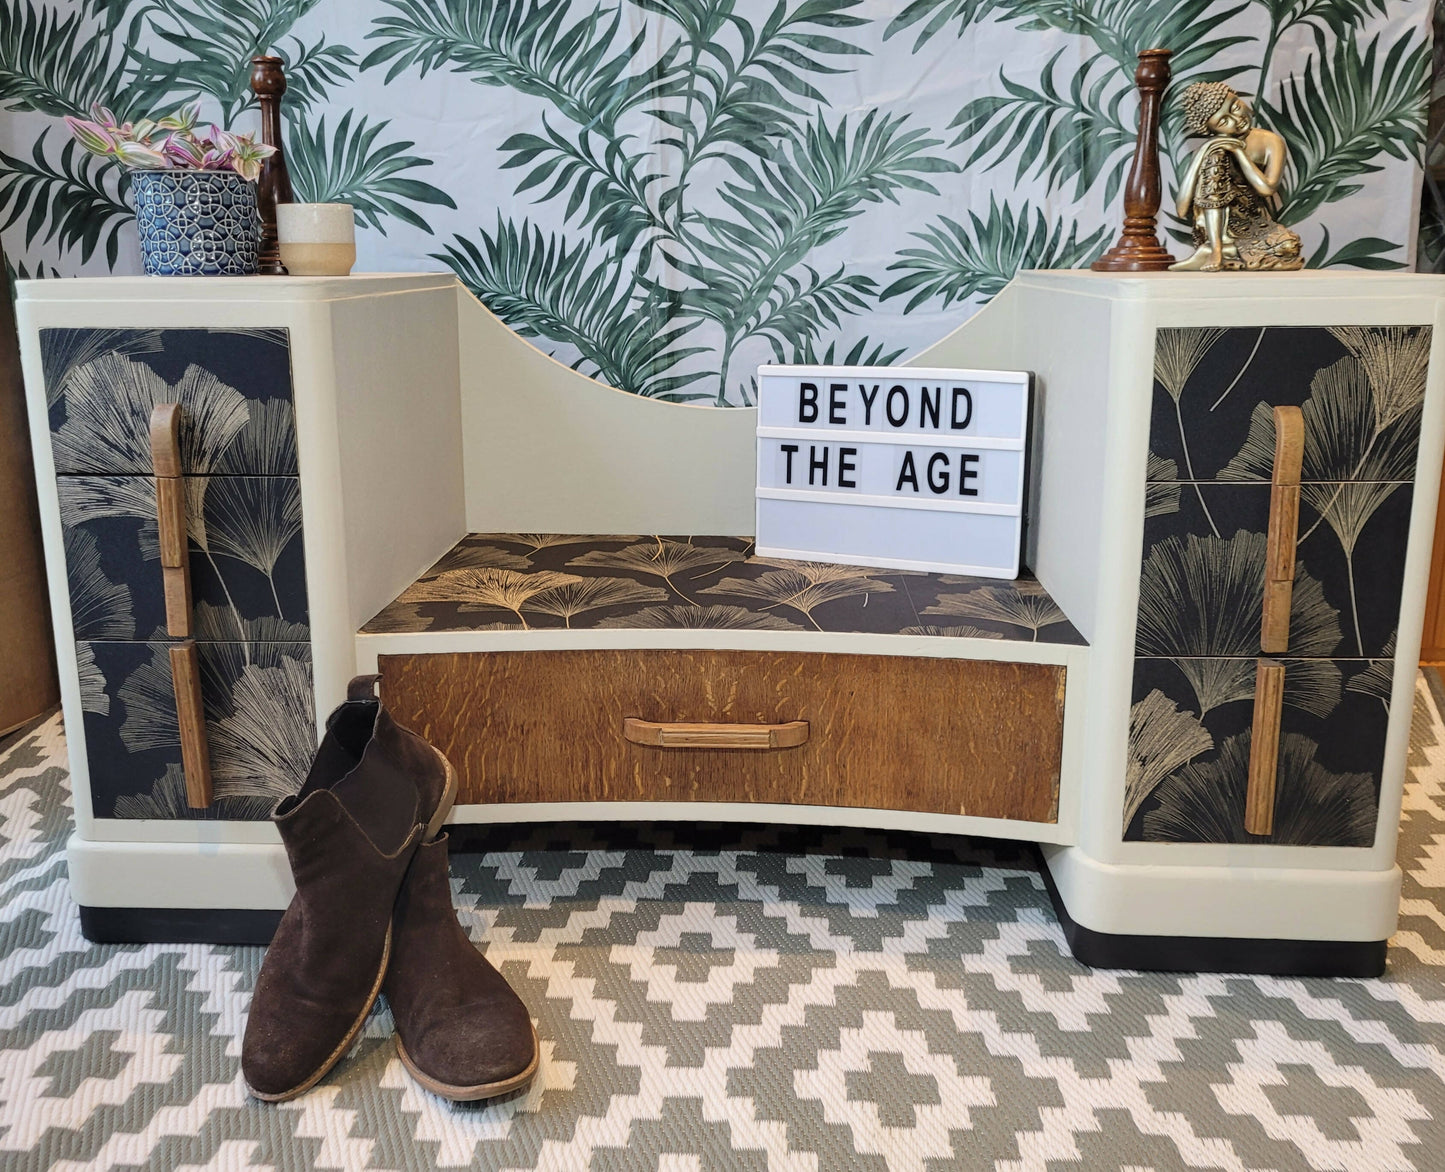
{"x":769,"y":998}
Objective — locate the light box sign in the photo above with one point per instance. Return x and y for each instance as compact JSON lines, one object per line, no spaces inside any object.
{"x":902,"y":467}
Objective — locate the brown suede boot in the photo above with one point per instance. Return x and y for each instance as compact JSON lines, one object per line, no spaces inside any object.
{"x":460,"y":1029}
{"x":374,"y":792}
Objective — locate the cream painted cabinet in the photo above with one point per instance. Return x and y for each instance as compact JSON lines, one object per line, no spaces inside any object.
{"x":557,"y":579}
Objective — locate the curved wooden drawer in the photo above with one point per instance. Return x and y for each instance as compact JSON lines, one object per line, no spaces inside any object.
{"x":946,"y":736}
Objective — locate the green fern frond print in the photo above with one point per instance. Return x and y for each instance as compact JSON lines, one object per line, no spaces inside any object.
{"x":51,"y":62}
{"x":75,"y":201}
{"x":142,"y":57}
{"x":548,"y":290}
{"x":961,"y":262}
{"x":1344,"y":114}
{"x":666,"y":193}
{"x":213,"y":42}
{"x":350,"y":168}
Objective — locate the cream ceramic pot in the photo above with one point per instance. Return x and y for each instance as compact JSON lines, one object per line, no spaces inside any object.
{"x":316,"y":239}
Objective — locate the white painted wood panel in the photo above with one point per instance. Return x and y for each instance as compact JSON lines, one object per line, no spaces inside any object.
{"x":549,"y":450}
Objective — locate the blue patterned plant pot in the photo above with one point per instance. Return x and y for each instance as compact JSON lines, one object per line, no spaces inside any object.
{"x":196,"y":223}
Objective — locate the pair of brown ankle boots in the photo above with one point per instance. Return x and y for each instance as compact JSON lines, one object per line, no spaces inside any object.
{"x":373,"y":914}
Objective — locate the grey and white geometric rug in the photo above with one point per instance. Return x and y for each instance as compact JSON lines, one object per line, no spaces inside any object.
{"x":768,"y":998}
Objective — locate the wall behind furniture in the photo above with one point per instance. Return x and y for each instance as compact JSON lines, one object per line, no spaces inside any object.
{"x":27,"y":657}
{"x":665,"y":193}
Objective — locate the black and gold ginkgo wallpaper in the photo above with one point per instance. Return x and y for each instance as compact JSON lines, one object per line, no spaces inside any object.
{"x":250,"y":613}
{"x":1361,"y":391}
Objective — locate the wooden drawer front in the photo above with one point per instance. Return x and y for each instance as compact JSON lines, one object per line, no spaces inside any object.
{"x":946,"y":736}
{"x":1361,"y":389}
{"x":248,"y":576}
{"x":1201,"y":583}
{"x":260,"y":727}
{"x":234,"y":387}
{"x":1191,"y":728}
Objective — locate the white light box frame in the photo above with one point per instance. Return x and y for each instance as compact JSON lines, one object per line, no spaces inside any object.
{"x":909,"y":468}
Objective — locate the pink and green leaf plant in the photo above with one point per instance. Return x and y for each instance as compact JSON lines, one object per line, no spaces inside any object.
{"x":171,"y":142}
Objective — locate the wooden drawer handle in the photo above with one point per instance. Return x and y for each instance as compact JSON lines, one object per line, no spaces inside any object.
{"x":191,"y":719}
{"x":165,"y":427}
{"x":1289,"y":447}
{"x":1264,"y":746}
{"x":715,"y":736}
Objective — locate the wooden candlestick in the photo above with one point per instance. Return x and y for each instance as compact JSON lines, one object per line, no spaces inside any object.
{"x":1138,"y":249}
{"x":268,"y":83}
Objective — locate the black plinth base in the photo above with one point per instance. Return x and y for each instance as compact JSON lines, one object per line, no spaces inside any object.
{"x":173,"y":925}
{"x":1175,"y":954}
{"x":1215,"y":954}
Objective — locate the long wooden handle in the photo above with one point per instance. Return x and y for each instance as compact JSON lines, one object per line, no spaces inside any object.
{"x":1289,"y":446}
{"x":191,"y":719}
{"x":165,"y":425}
{"x":715,"y":736}
{"x":165,"y":435}
{"x":1264,"y":746}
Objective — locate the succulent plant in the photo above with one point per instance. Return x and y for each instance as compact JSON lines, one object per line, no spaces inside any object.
{"x":170,"y":142}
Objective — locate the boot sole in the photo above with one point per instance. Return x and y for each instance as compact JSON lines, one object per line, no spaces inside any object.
{"x":469,"y":1094}
{"x":336,"y":1055}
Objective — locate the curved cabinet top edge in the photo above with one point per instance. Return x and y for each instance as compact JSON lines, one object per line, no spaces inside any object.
{"x":1303,"y":283}
{"x":222,"y":289}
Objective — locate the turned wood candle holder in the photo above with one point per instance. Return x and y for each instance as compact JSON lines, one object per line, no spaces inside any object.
{"x":268,"y":83}
{"x":1138,"y":249}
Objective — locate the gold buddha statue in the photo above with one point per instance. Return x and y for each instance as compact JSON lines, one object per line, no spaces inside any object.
{"x":1228,"y":189}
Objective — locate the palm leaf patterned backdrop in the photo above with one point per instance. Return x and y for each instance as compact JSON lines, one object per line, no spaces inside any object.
{"x":664,"y":193}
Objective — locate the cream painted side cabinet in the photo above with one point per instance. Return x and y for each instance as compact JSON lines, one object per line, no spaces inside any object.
{"x":320,"y":475}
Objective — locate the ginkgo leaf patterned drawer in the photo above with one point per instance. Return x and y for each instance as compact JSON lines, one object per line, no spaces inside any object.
{"x":233,"y":385}
{"x":238,"y":457}
{"x":260,"y":727}
{"x":1201,"y":582}
{"x":247,"y":569}
{"x":247,"y":607}
{"x":1190,"y":735}
{"x":1360,"y":391}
